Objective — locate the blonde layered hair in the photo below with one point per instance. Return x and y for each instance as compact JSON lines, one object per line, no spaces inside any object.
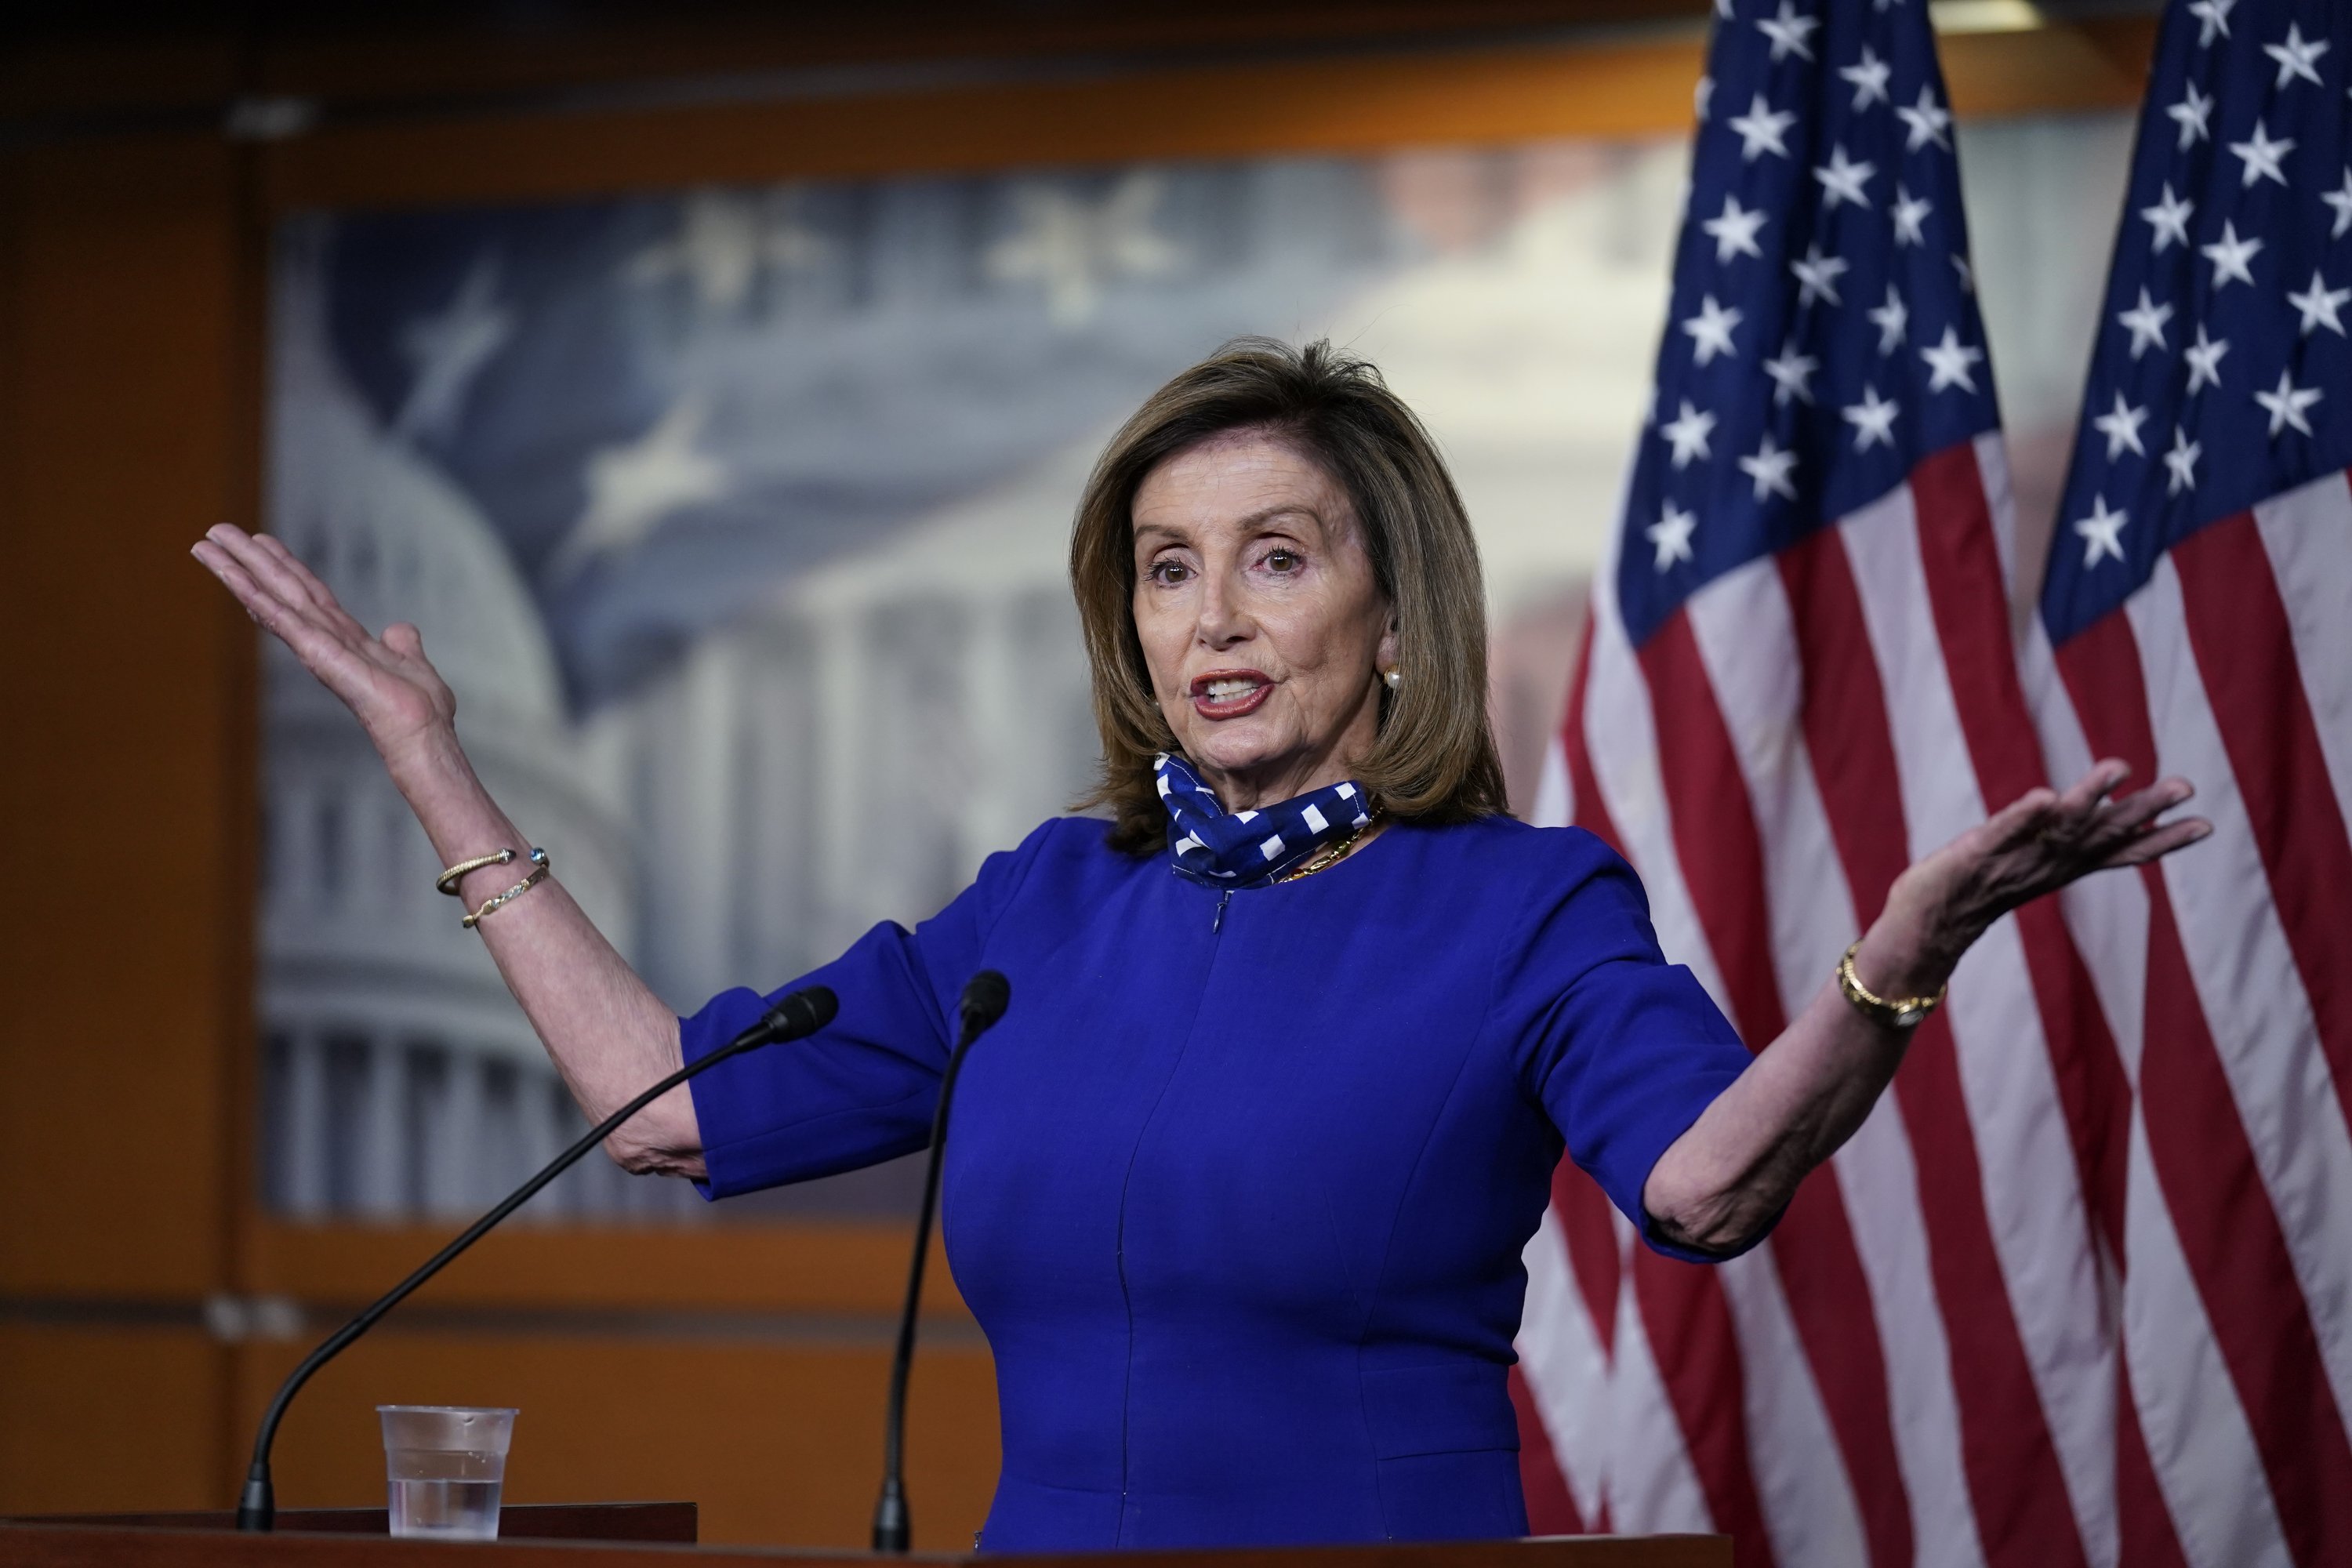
{"x":1434,"y":760}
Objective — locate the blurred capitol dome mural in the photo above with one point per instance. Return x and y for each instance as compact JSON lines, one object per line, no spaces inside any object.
{"x":738,"y":520}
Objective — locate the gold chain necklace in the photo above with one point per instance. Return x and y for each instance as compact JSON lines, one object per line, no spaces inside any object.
{"x":1330,"y":856}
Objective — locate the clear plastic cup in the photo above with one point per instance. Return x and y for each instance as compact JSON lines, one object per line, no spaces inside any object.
{"x":445,"y":1466}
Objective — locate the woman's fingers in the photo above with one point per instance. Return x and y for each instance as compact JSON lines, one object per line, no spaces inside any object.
{"x":407,"y":644}
{"x":2136,"y":811}
{"x":276,"y":570}
{"x":2045,"y":816}
{"x":323,"y":652}
{"x":2077,"y":811}
{"x":2023,"y":819}
{"x":321,"y":597}
{"x":259,"y":602}
{"x":303,"y":577}
{"x":259,"y":567}
{"x":2158,"y":842}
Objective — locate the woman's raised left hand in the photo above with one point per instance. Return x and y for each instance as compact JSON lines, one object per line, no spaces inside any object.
{"x":1806,"y":1092}
{"x":2036,"y":844}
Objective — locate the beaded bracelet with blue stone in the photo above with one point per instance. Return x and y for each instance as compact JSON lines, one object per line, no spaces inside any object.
{"x":539,"y":866}
{"x":447,"y":882}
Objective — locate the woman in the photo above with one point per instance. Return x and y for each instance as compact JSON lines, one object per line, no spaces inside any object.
{"x":1239,"y":1185}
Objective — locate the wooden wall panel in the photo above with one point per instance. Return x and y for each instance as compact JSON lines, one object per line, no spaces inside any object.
{"x":128,"y":753}
{"x":109,"y":1418}
{"x":1354,"y":103}
{"x":779,"y":1440}
{"x":847,"y":1269}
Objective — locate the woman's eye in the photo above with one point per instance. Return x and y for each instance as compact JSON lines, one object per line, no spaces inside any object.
{"x":1167,"y":571}
{"x":1282,"y":560}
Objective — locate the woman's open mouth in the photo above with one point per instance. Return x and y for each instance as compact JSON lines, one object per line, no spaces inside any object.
{"x":1230,"y":693}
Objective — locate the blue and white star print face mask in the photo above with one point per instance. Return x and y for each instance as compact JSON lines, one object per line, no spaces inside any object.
{"x":1218,"y":849}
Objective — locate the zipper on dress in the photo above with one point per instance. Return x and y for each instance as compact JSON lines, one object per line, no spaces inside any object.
{"x":1218,"y":924}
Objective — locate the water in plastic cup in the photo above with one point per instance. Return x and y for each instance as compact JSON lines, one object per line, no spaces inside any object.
{"x":444,"y":1465}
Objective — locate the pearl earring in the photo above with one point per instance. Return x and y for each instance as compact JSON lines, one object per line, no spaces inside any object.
{"x":1393,"y":677}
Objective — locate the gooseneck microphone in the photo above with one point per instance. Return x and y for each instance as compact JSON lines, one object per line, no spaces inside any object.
{"x":801,"y":1014}
{"x":985,"y":997}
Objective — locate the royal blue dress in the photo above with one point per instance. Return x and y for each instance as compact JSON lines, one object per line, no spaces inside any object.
{"x":1239,"y":1201}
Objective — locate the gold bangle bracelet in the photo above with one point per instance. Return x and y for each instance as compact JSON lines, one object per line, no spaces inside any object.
{"x":447,"y":882}
{"x":1895,"y":1012}
{"x":539,"y":866}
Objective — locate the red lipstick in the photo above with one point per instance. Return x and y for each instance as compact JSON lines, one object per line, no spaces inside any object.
{"x":1230,"y":693}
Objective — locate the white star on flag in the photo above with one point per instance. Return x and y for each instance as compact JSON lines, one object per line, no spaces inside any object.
{"x":2169,"y":217}
{"x":1770,"y":468}
{"x":1949,"y":363}
{"x":1792,"y":375}
{"x":2261,"y":155}
{"x":1672,"y":535}
{"x":2229,"y":255}
{"x":449,"y":349}
{"x":1788,"y":32}
{"x":2295,"y":57}
{"x":1710,"y":330}
{"x":2287,"y":405}
{"x":2100,"y":532}
{"x":2120,"y":424}
{"x":1910,"y":212}
{"x":2214,"y":18}
{"x":1842,"y":179}
{"x":2181,"y":463}
{"x":722,"y":244}
{"x":2194,"y":113}
{"x":1926,"y":122}
{"x":1890,"y":319}
{"x":2204,"y":357}
{"x":1073,"y":246}
{"x":1687,"y":433}
{"x":1734,"y":231}
{"x":1760,"y":129}
{"x":1872,"y":419}
{"x":1817,"y":276}
{"x":2145,"y":323}
{"x":1869,"y":78}
{"x":1702,"y":98}
{"x":2317,"y":305}
{"x":633,"y":486}
{"x":2341,"y":200}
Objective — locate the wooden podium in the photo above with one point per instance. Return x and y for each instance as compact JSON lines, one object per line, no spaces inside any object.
{"x":662,"y":1535}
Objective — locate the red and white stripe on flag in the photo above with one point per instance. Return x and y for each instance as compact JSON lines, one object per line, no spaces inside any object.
{"x":2080,"y":1289}
{"x":2227,"y":976}
{"x":1920,"y":1366}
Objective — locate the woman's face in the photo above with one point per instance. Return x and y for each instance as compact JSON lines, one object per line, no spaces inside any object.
{"x":1262,"y":622}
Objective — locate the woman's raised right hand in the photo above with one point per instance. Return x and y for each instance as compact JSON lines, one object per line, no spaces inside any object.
{"x":387,"y":682}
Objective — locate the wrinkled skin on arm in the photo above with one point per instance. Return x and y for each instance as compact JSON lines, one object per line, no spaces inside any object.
{"x":608,"y":1034}
{"x":1805,"y":1093}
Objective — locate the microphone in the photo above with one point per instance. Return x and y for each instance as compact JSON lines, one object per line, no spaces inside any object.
{"x":799,"y":1014}
{"x":985,"y":997}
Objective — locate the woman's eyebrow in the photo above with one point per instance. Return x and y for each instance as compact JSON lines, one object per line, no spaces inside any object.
{"x":1284,"y":509}
{"x":1151,"y":535}
{"x":1162,"y":531}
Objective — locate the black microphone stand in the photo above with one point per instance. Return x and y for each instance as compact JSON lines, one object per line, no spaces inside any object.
{"x":802,"y":1012}
{"x":985,"y":997}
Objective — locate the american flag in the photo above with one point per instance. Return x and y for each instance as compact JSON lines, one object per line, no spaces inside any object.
{"x":2197,"y":618}
{"x":2080,"y":1291}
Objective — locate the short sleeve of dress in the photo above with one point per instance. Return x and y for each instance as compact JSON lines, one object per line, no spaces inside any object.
{"x":1622,"y":1048}
{"x":860,"y":1090}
